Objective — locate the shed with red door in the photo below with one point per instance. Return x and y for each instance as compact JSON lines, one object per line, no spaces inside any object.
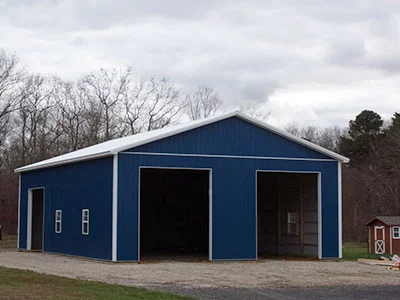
{"x":384,"y":235}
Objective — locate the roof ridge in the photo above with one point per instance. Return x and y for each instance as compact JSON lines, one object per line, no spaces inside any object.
{"x":115,"y":146}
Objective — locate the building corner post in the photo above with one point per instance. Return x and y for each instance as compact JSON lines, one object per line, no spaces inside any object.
{"x":340,"y":238}
{"x":115,"y":207}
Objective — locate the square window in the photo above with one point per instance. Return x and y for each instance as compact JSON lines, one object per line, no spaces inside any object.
{"x":396,"y":232}
{"x":85,"y":221}
{"x":292,"y":223}
{"x":58,"y":221}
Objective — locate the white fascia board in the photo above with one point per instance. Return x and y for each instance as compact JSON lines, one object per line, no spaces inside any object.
{"x":115,"y":146}
{"x":183,"y":129}
{"x":41,"y":165}
{"x":293,"y":138}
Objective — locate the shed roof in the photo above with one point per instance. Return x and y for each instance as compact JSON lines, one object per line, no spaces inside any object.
{"x":117,"y":145}
{"x":388,"y":220}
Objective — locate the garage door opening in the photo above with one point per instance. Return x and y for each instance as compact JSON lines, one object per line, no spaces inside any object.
{"x":35,"y":219}
{"x":174,"y":214}
{"x":287,"y":214}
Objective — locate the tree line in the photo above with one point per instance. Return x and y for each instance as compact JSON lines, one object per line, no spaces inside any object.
{"x":45,"y":116}
{"x":371,"y":181}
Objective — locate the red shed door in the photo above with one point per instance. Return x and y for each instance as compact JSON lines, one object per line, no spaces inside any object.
{"x":379,"y":239}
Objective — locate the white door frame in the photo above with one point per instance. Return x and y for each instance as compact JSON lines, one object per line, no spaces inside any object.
{"x":379,"y":242}
{"x":319,"y":204}
{"x":209,"y":202}
{"x":29,"y":219}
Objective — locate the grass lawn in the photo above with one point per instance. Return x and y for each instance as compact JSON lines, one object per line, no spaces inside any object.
{"x":17,"y":284}
{"x":352,"y":251}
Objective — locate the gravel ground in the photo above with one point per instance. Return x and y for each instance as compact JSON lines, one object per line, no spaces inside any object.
{"x":262,"y":274}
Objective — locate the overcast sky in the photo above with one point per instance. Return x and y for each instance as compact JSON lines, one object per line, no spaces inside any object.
{"x":314,"y":62}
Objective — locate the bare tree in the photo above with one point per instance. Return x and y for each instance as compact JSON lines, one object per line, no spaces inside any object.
{"x":327,"y":137}
{"x":202,"y":103}
{"x":133,"y":108}
{"x":37,"y":128}
{"x":10,"y":79}
{"x":255,"y":111}
{"x":163,"y":104}
{"x":106,"y":87}
{"x":70,"y":103}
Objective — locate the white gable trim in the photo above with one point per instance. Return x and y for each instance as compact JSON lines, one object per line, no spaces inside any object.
{"x":114,"y":146}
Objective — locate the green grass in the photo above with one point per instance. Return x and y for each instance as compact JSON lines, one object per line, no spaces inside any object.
{"x":17,"y":284}
{"x":353,"y":251}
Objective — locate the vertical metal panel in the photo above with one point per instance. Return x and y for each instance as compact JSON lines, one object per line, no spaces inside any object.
{"x":71,"y":188}
{"x":232,"y":136}
{"x":233,"y":207}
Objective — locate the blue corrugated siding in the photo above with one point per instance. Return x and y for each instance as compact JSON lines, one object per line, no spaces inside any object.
{"x":232,"y":136}
{"x":71,"y":188}
{"x":234,"y":203}
{"x":234,"y":209}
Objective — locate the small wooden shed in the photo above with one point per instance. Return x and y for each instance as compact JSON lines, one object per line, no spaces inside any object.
{"x":384,"y":235}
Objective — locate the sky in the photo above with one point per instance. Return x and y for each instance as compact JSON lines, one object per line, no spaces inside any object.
{"x":309,"y":62}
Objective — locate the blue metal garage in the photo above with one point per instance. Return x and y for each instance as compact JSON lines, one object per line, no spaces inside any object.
{"x":227,"y":187}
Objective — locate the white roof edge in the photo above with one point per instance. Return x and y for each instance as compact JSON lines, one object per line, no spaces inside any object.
{"x":294,"y":138}
{"x":180,"y":129}
{"x":198,"y":124}
{"x":252,"y":120}
{"x":32,"y":167}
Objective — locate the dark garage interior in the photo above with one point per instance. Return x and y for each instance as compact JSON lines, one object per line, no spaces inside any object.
{"x":174,"y":213}
{"x":37,"y":219}
{"x":287,"y":214}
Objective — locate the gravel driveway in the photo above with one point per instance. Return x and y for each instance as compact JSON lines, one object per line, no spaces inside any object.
{"x":261,"y":274}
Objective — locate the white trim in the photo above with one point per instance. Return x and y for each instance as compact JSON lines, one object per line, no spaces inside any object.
{"x":226,"y":156}
{"x":126,"y":143}
{"x":19,"y":212}
{"x":44,"y":164}
{"x":390,"y":239}
{"x":396,"y":238}
{"x":209,"y":202}
{"x":115,"y":208}
{"x":256,"y":218}
{"x":138,"y":215}
{"x":340,"y":209}
{"x":208,"y":121}
{"x":383,"y":241}
{"x":210,"y":218}
{"x":29,"y":217}
{"x":58,"y":221}
{"x":85,"y":221}
{"x":319,"y":204}
{"x":369,"y":240}
{"x":29,"y":222}
{"x":319,"y":215}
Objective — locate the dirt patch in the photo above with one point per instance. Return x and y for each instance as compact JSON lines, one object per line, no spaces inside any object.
{"x":8,"y":243}
{"x":265,"y":273}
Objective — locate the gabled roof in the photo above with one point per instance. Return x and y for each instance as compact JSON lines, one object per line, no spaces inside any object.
{"x":388,"y":220}
{"x":117,"y":145}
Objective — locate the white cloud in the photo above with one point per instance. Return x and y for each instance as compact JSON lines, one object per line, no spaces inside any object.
{"x":310,"y":61}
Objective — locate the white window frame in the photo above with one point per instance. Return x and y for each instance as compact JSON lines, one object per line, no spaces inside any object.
{"x":290,"y":221}
{"x":398,"y":232}
{"x":85,"y":221}
{"x":58,"y":221}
